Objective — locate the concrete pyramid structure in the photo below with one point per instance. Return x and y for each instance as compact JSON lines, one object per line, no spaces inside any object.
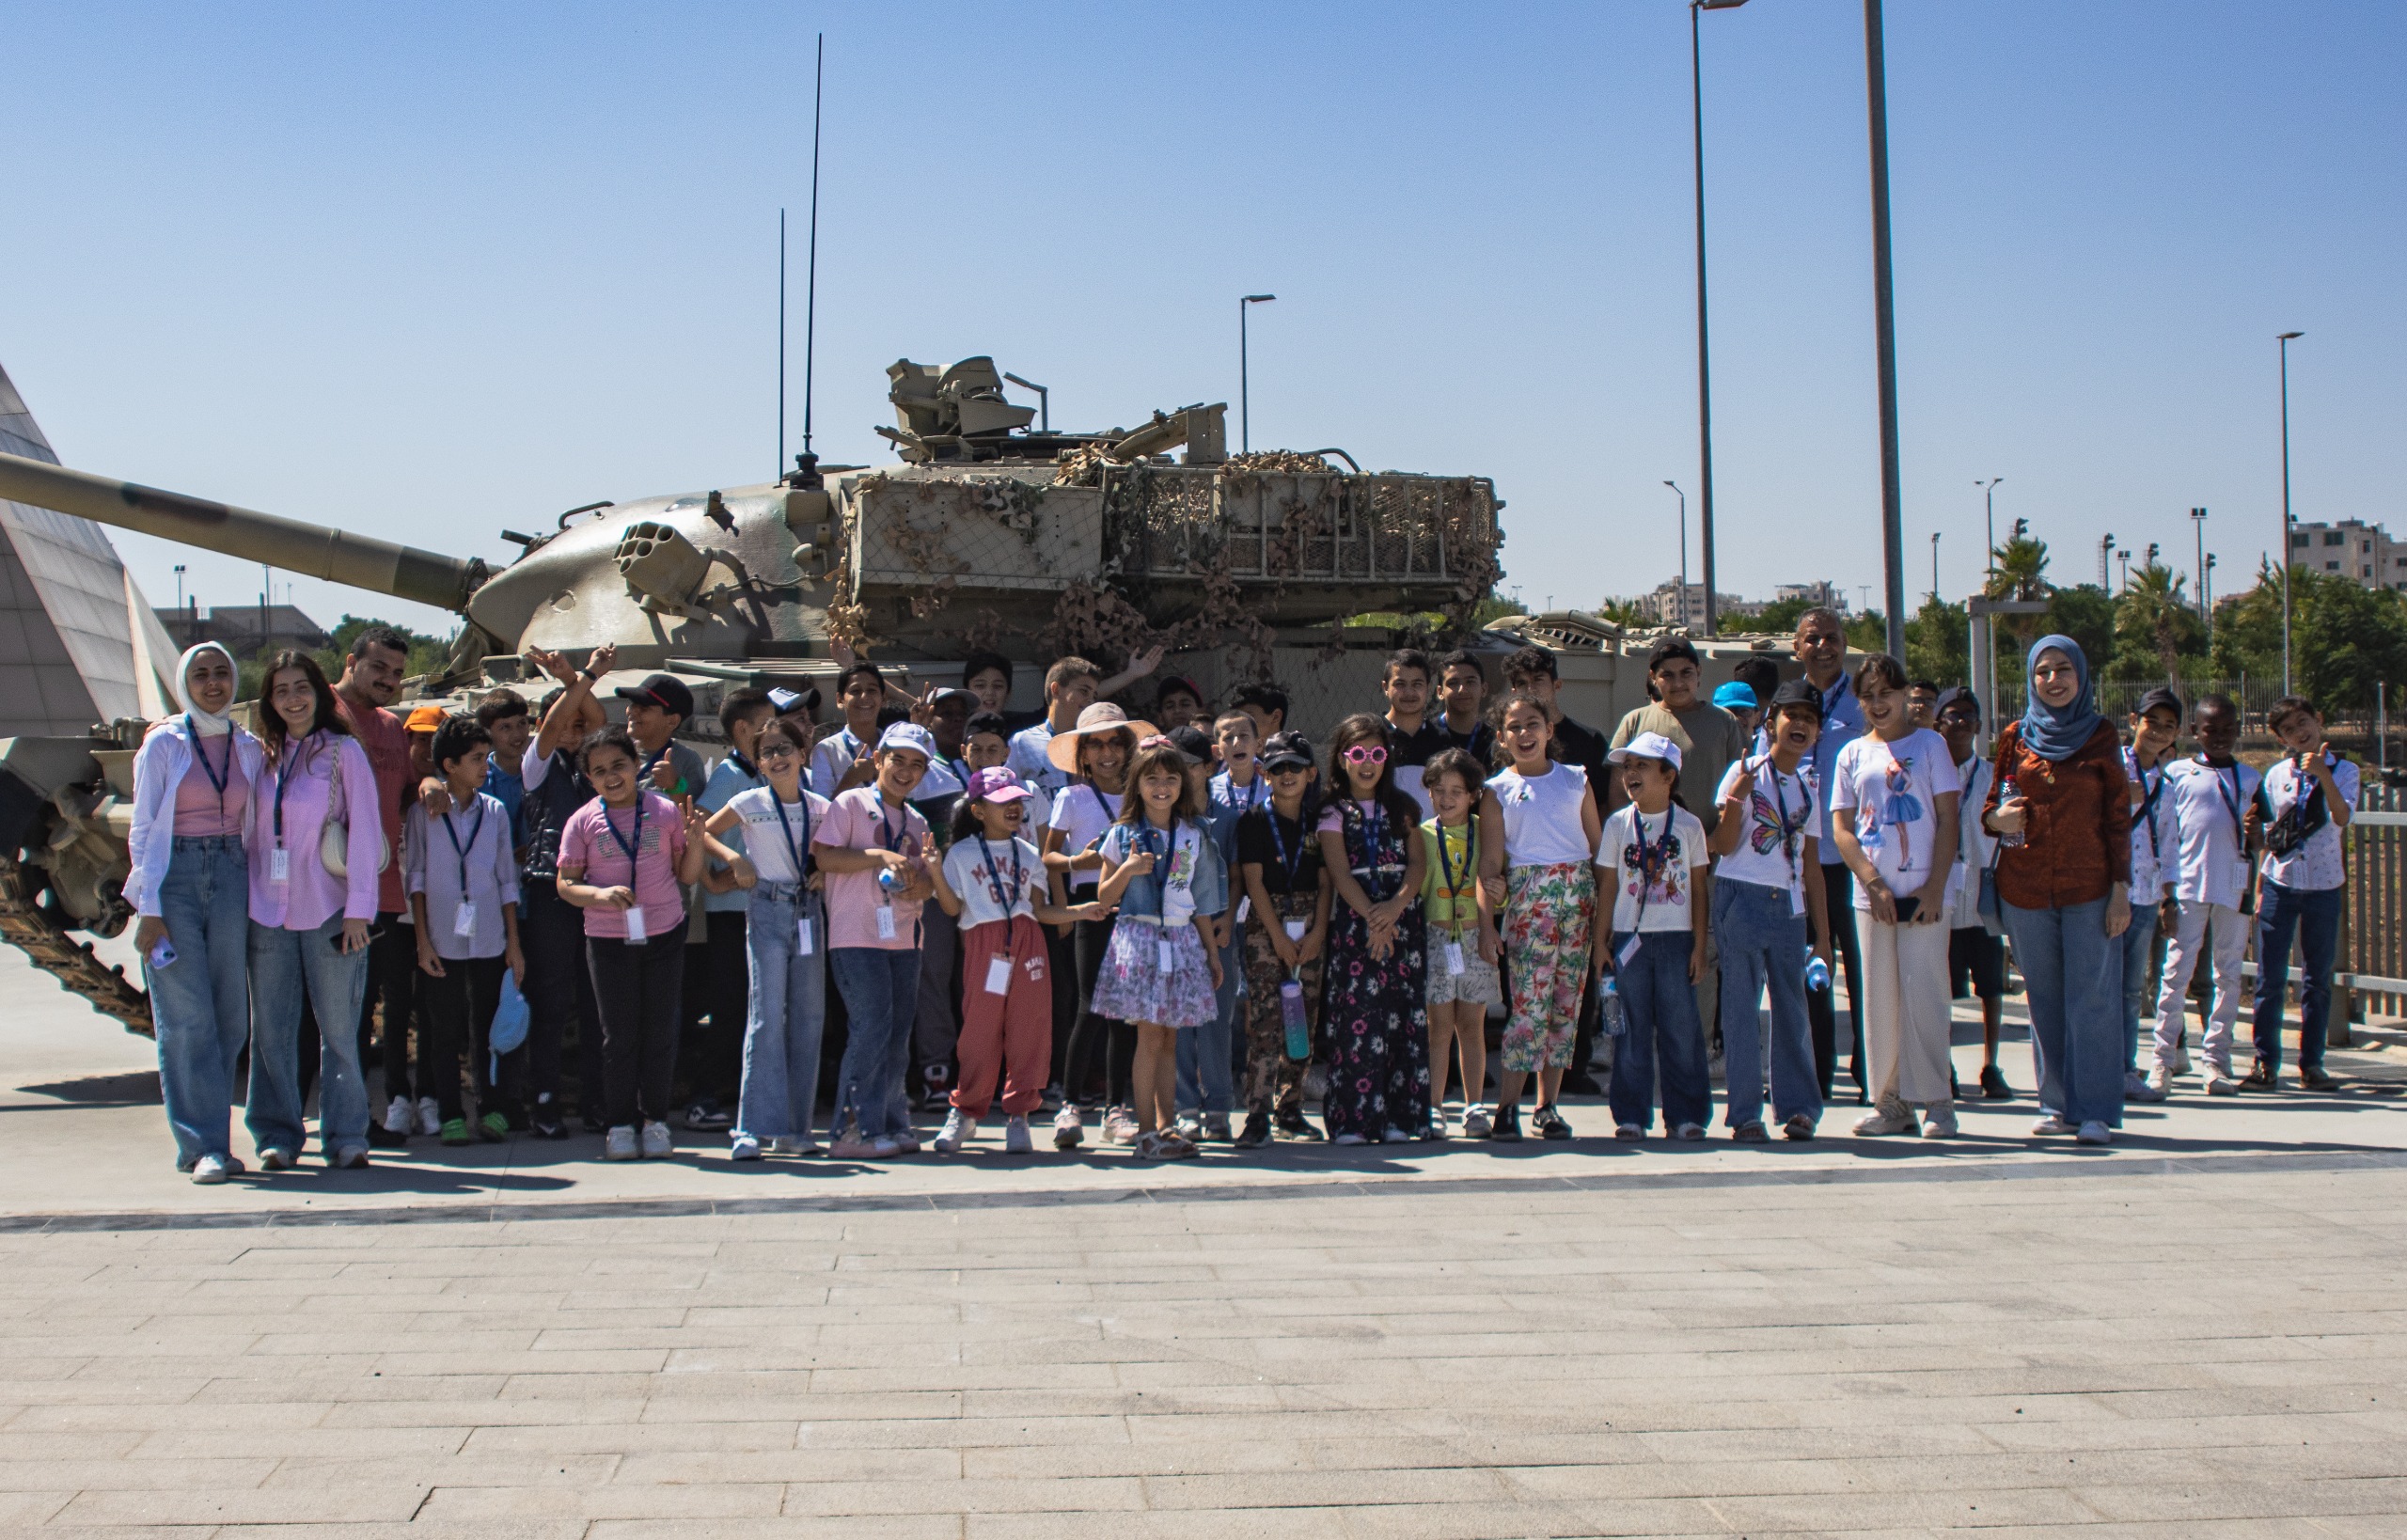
{"x":78,"y":641}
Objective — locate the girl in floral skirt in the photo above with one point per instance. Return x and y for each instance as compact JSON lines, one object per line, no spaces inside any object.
{"x":1162,"y":868}
{"x":1539,"y":828}
{"x":1374,"y":1017}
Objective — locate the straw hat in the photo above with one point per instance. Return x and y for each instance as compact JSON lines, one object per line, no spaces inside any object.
{"x":1103,"y":717}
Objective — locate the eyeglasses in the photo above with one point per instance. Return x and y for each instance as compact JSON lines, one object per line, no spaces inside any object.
{"x":780,"y":750}
{"x":1366,"y":754}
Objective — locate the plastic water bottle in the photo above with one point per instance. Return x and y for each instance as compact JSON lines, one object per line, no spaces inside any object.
{"x":2006,"y":790}
{"x":1291,"y":1015}
{"x":888,"y":880}
{"x":1817,"y":972}
{"x":1610,"y":1020}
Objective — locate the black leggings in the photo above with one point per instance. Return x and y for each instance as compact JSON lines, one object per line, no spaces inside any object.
{"x":1093,"y":1034}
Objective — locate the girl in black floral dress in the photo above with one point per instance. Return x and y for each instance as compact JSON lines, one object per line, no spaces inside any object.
{"x":1374,"y":1014}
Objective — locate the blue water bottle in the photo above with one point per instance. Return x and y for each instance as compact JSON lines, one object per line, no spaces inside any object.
{"x":1291,"y":1016}
{"x":1817,"y":972}
{"x":1609,"y":1008}
{"x":889,"y":879}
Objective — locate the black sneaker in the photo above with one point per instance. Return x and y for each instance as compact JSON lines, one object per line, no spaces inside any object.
{"x":2315,"y":1079}
{"x":1292,"y":1124}
{"x":706,"y":1113}
{"x":1256,"y":1132}
{"x":1994,"y":1086}
{"x":381,"y":1137}
{"x":2261,"y":1076}
{"x":1549,"y":1123}
{"x":546,"y":1123}
{"x":1506,"y":1130}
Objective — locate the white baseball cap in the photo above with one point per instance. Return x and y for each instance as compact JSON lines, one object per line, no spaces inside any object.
{"x":1647,"y":745}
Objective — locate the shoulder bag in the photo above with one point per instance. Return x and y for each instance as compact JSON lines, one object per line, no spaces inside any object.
{"x":333,"y":837}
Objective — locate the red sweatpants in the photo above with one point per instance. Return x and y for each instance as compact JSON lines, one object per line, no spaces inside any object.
{"x":1011,"y":1034}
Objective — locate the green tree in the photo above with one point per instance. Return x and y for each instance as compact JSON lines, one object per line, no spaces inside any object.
{"x":2344,"y":639}
{"x":2155,"y":627}
{"x":2086,"y":614}
{"x":2019,"y":569}
{"x":1868,"y":632}
{"x":1779,"y":617}
{"x":1938,"y":643}
{"x":428,"y":654}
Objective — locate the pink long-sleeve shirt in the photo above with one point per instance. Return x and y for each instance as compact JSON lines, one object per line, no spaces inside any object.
{"x":311,"y":895}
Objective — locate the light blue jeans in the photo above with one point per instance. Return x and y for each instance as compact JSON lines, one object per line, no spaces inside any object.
{"x":2072,"y":979}
{"x":785,"y":1013}
{"x":284,"y":964}
{"x":201,"y":1003}
{"x":881,"y":990}
{"x":2140,"y":953}
{"x":1763,"y":946}
{"x":1207,"y":1050}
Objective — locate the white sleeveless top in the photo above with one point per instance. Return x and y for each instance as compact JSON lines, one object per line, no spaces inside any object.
{"x":1542,"y":825}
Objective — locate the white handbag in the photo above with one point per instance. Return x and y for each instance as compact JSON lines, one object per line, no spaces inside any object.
{"x":334,"y":838}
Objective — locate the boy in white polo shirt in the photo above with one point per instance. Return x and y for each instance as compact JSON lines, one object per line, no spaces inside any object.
{"x":2204,"y":805}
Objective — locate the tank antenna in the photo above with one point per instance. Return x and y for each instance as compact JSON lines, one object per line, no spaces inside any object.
{"x":781,"y":341}
{"x":807,"y":464}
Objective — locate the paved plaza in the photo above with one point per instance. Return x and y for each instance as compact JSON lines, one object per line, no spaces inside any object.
{"x":2196,"y":1333}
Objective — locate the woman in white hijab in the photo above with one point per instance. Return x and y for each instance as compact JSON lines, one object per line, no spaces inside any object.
{"x":191,"y":886}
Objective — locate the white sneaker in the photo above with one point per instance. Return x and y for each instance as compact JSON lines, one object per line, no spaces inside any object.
{"x":2051,"y":1125}
{"x":793,"y":1144}
{"x":2220,"y":1081}
{"x":275,"y":1158}
{"x":1939,"y":1121}
{"x":958,"y":1130}
{"x":619,"y":1143}
{"x":904,"y":1140}
{"x":1349,"y":1138}
{"x":1068,"y":1127}
{"x":2180,"y":1061}
{"x":1890,"y":1117}
{"x":208,"y":1170}
{"x":2141,"y":1088}
{"x":429,"y":1117}
{"x":1475,"y":1125}
{"x":2095,"y":1132}
{"x":744,"y":1147}
{"x":658,"y":1143}
{"x":851,"y":1144}
{"x":1188,"y":1126}
{"x":1016,"y":1136}
{"x":1120,"y":1126}
{"x":1216,"y":1128}
{"x":401,"y":1116}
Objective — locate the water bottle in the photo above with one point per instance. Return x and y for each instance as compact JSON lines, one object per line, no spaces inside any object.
{"x":1817,"y":972}
{"x":2006,"y":790}
{"x":1291,"y":1015}
{"x":888,"y":880}
{"x":1610,"y":1021}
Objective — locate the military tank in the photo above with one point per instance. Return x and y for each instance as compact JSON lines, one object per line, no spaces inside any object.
{"x":983,"y":533}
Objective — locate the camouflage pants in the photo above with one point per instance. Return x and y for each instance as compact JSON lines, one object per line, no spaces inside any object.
{"x":1274,"y":1083}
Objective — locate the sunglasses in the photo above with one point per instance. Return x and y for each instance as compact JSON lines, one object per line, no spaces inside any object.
{"x":1366,"y":754}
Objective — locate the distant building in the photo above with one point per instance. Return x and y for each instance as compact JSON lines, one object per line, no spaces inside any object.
{"x":1824,"y":593}
{"x":2351,"y":548}
{"x":1672,"y":605}
{"x":245,"y":630}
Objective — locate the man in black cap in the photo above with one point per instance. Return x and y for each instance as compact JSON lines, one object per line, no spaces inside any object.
{"x":655,"y":710}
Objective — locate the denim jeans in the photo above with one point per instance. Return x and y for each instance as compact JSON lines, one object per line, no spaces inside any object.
{"x":785,"y":1013}
{"x":285,"y":965}
{"x":1763,"y":944}
{"x":2141,"y":956}
{"x":2072,"y":979}
{"x":1205,"y":1051}
{"x":200,"y":1006}
{"x":2314,"y":917}
{"x":881,"y":990}
{"x":1660,"y":1006}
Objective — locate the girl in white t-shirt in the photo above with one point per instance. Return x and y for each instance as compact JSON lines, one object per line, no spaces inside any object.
{"x":785,"y":944}
{"x":1537,"y":835}
{"x":1654,"y":868}
{"x":1893,"y":797}
{"x":991,"y":881}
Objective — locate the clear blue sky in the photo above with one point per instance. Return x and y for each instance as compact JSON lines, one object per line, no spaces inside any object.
{"x":432,"y":270}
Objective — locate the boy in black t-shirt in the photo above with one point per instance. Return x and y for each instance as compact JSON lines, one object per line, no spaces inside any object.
{"x":1279,"y":864}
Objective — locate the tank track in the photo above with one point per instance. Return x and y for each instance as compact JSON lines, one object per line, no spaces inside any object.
{"x":24,"y":925}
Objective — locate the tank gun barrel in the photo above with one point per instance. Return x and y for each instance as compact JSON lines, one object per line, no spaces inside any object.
{"x":337,"y":556}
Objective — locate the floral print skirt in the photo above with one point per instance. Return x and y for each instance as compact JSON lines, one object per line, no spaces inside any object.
{"x":1133,"y":987}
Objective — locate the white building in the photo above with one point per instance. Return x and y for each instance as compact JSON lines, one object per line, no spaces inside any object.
{"x":1825,"y":594}
{"x":2351,"y":548}
{"x":1672,"y":605}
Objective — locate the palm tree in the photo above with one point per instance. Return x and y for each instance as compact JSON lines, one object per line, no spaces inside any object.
{"x":2153,"y":606}
{"x":2019,"y":569}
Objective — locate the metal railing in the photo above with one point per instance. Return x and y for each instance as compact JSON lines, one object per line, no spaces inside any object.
{"x":2373,"y":920}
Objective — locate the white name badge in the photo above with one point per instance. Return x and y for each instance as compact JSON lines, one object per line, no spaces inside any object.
{"x":1796,"y":899}
{"x":1244,"y":907}
{"x":464,"y":922}
{"x":1164,"y":956}
{"x":1295,"y":930}
{"x":885,"y":923}
{"x":999,"y":975}
{"x":802,"y":937}
{"x":280,"y":865}
{"x":1453,"y":959}
{"x":1629,"y":953}
{"x":635,"y":924}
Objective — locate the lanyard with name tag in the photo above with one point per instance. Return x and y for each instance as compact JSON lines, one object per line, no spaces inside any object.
{"x":630,"y":844}
{"x":801,"y":856}
{"x":464,"y":922}
{"x":280,"y":860}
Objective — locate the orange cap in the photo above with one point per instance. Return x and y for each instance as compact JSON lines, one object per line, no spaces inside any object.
{"x":426,"y":718}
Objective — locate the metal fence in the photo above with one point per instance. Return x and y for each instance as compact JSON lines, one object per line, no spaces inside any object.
{"x":2117,"y":697}
{"x":2373,"y":935}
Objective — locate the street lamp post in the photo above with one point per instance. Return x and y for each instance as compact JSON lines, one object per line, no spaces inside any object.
{"x":2105,"y":549}
{"x":1683,"y":601}
{"x":1245,"y":414}
{"x":2198,"y":524}
{"x":1703,"y":370}
{"x":2124,"y":558}
{"x":2286,"y":338}
{"x":1989,"y":518}
{"x":1934,"y":566}
{"x":1884,"y":330}
{"x":2209,"y":582}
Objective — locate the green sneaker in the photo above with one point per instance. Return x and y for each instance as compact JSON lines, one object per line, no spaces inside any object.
{"x":493,"y":1127}
{"x":455,"y":1131}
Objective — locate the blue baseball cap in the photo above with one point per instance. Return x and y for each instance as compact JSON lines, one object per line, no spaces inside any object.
{"x":1736,"y":696}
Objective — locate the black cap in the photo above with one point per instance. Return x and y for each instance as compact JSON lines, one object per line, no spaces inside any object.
{"x":1191,"y":743}
{"x":2158,"y":697}
{"x":1798,"y":692}
{"x":667,"y":691}
{"x":1286,"y":748}
{"x":1956,"y":694}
